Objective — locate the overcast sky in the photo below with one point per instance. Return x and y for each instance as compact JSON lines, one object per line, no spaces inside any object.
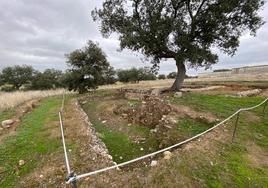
{"x":40,"y":32}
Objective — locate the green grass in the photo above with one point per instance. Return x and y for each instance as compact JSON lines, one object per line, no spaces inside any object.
{"x":226,"y":165}
{"x":120,"y":146}
{"x":243,"y":175}
{"x":232,"y":167}
{"x":6,"y":114}
{"x":254,"y":84}
{"x":30,"y":144}
{"x":190,"y":127}
{"x":217,"y":104}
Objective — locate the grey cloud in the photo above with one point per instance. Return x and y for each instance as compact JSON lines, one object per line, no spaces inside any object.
{"x":41,"y":32}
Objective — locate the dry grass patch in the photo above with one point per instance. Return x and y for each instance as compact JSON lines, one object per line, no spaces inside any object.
{"x":10,"y":100}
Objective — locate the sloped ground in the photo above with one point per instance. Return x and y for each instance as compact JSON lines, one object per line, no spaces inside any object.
{"x":211,"y":161}
{"x":16,"y":115}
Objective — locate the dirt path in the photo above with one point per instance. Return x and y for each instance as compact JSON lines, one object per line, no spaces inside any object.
{"x":86,"y":152}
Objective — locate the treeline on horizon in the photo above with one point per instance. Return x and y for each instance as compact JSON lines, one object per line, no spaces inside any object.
{"x":27,"y":78}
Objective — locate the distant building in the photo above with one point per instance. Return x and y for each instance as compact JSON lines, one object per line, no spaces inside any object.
{"x":255,"y":70}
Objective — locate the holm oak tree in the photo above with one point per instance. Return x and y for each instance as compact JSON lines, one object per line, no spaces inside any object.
{"x":89,"y":68}
{"x":183,"y":30}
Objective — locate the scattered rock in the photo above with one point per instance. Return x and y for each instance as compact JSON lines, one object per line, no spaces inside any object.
{"x":153,"y":163}
{"x":2,"y":169}
{"x":153,"y":130}
{"x":172,"y":120}
{"x":178,"y":94}
{"x":148,"y":114}
{"x":7,"y":123}
{"x":141,"y":149}
{"x":249,"y":93}
{"x":110,"y":157}
{"x":202,"y":89}
{"x":21,"y":162}
{"x":156,"y":92}
{"x":104,"y":121}
{"x":167,"y":126}
{"x":41,"y":176}
{"x":167,"y":155}
{"x":211,"y":163}
{"x":121,"y":157}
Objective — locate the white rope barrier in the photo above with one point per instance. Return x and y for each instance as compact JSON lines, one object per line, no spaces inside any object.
{"x":77,"y":177}
{"x":70,"y":173}
{"x":64,"y":145}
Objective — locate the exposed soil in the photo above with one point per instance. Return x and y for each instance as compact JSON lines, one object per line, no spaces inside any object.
{"x":265,"y":93}
{"x":257,"y":156}
{"x":149,"y":113}
{"x":221,"y":90}
{"x":20,"y":111}
{"x":90,"y":155}
{"x":182,"y":110}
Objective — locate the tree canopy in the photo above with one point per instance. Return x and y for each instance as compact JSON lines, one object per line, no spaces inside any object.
{"x":89,"y":68}
{"x":161,"y":77}
{"x":135,"y":75}
{"x":27,"y":78}
{"x":172,"y":75}
{"x":49,"y":79}
{"x":17,"y":75}
{"x":184,"y":30}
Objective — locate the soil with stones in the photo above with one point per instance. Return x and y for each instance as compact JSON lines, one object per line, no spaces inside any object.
{"x":149,"y":113}
{"x":20,"y":111}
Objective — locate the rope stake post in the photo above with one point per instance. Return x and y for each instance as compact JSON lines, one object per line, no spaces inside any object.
{"x":71,"y":179}
{"x":235,"y":128}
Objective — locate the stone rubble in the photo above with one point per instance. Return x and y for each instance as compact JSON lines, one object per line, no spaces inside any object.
{"x":249,"y":93}
{"x":7,"y":123}
{"x":97,"y":145}
{"x":153,"y":163}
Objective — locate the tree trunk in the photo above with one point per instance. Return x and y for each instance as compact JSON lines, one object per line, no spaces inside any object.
{"x":180,"y":76}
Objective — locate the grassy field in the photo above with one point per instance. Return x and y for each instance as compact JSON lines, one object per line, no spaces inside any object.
{"x":120,"y":136}
{"x":226,"y":164}
{"x":240,"y":164}
{"x":213,"y":161}
{"x":247,"y":82}
{"x":31,"y":143}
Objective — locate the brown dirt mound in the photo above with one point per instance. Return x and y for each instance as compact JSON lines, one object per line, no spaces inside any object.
{"x":205,"y":117}
{"x":149,"y":113}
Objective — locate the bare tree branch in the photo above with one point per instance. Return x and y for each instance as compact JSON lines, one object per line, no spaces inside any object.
{"x":188,"y":5}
